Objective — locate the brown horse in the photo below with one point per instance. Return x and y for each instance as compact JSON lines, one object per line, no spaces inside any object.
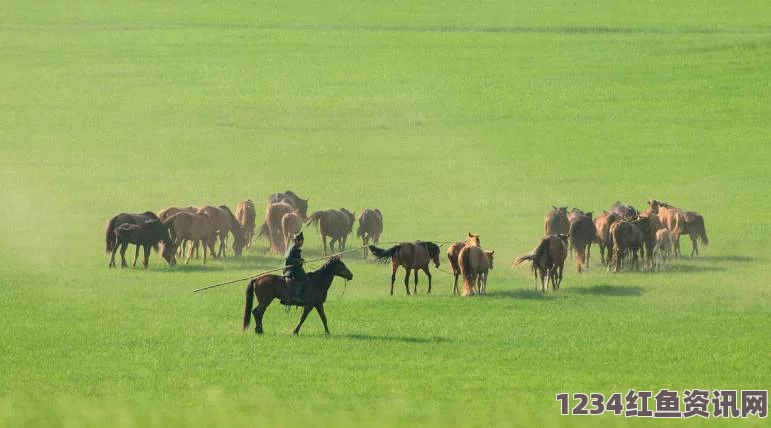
{"x":246,"y":216}
{"x":181,"y":246}
{"x":193,"y":227}
{"x":452,"y":255}
{"x":602,"y":225}
{"x":287,"y":197}
{"x":224,"y":222}
{"x":556,"y":221}
{"x":672,"y":218}
{"x":268,"y":287}
{"x":631,"y":236}
{"x":694,"y":227}
{"x":474,"y":266}
{"x":548,"y":260}
{"x":335,"y":224}
{"x":573,"y":215}
{"x":370,"y":227}
{"x":624,"y":212}
{"x":582,"y":234}
{"x":274,"y":213}
{"x":146,"y":235}
{"x":291,"y":224}
{"x":412,"y":255}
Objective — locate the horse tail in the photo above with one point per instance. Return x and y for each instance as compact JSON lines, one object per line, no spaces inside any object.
{"x":360,"y":229}
{"x":382,"y":255}
{"x":314,"y":219}
{"x":264,"y":233}
{"x":249,"y":304}
{"x":521,"y":259}
{"x":109,"y":234}
{"x":701,"y":231}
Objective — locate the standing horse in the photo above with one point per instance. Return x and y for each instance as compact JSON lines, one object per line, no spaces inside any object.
{"x":291,"y":224}
{"x":663,"y":246}
{"x":165,"y":213}
{"x":412,"y":255}
{"x":556,"y":221}
{"x":193,"y":227}
{"x":287,"y":197}
{"x":268,"y":287}
{"x":452,"y":255}
{"x":573,"y":215}
{"x":246,"y":216}
{"x":602,"y":225}
{"x":672,"y":218}
{"x":474,"y":266}
{"x":632,"y":236}
{"x":224,"y":222}
{"x":370,"y":227}
{"x":694,"y":227}
{"x":582,"y":234}
{"x":123,"y":218}
{"x":335,"y":224}
{"x":548,"y":260}
{"x":146,"y":235}
{"x":274,"y":213}
{"x":624,"y":212}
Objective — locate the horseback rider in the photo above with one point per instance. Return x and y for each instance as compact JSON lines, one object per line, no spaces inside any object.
{"x":294,"y":272}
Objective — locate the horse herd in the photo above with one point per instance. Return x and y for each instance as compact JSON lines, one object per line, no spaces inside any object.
{"x":625,"y":236}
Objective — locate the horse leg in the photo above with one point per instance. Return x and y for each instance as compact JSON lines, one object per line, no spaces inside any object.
{"x":147,"y":254}
{"x":415,"y":290}
{"x":455,"y":284}
{"x":407,"y":280}
{"x":112,"y":257}
{"x":190,"y":252}
{"x":323,"y":316}
{"x":123,"y":247}
{"x":136,"y":256}
{"x":306,"y":310}
{"x":588,"y":254}
{"x":393,"y":279}
{"x":428,"y":274}
{"x":324,"y":243}
{"x":258,"y":312}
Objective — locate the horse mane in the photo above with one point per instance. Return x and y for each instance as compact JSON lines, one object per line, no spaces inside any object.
{"x":325,"y":267}
{"x":235,"y":226}
{"x":433,"y":249}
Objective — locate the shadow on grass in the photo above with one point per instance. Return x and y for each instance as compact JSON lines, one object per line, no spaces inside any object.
{"x":685,"y":268}
{"x":521,"y":294}
{"x":609,"y":290}
{"x":734,"y":259}
{"x":402,"y":339}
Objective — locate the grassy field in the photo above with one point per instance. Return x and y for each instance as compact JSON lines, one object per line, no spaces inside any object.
{"x":450,"y":118}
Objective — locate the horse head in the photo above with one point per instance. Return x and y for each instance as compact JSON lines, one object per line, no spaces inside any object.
{"x":490,"y":257}
{"x":433,"y":252}
{"x":339,"y":268}
{"x":473,"y":240}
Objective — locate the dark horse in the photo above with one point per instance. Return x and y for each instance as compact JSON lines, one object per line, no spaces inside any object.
{"x":411,"y":255}
{"x":268,"y":287}
{"x":113,"y":223}
{"x":146,"y":235}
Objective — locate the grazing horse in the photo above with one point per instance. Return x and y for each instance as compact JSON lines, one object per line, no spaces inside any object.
{"x":672,"y":218}
{"x":694,"y":227}
{"x":165,"y":213}
{"x":193,"y":227}
{"x":268,"y":287}
{"x":632,"y":236}
{"x":412,"y":255}
{"x":246,"y":216}
{"x":123,"y":218}
{"x":582,"y":234}
{"x":291,"y":224}
{"x":335,"y":224}
{"x":274,"y":213}
{"x":224,"y":222}
{"x":452,"y":255}
{"x":663,"y":246}
{"x":370,"y":227}
{"x":146,"y":235}
{"x":474,"y":266}
{"x":556,"y":221}
{"x":602,"y":225}
{"x":548,"y":260}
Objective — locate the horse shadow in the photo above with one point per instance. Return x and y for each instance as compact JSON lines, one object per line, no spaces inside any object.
{"x":400,"y":339}
{"x":609,"y":290}
{"x":732,"y":259}
{"x":521,"y":294}
{"x":687,"y":268}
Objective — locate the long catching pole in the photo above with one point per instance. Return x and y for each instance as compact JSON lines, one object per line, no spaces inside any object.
{"x":272,"y":270}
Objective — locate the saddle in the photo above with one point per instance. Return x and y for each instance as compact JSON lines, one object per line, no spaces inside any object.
{"x":294,"y":292}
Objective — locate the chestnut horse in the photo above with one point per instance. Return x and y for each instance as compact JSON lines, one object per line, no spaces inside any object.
{"x":631,"y":236}
{"x":193,"y":227}
{"x":412,"y":255}
{"x":672,"y":218}
{"x":268,"y":287}
{"x":452,"y":255}
{"x":224,"y":222}
{"x":474,"y":266}
{"x":548,"y":260}
{"x":291,"y":224}
{"x":582,"y":234}
{"x":602,"y":226}
{"x":274,"y":213}
{"x":556,"y":221}
{"x":246,"y":216}
{"x":370,"y":227}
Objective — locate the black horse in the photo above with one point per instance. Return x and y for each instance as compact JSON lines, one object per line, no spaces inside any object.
{"x":123,"y":218}
{"x":146,"y":235}
{"x":268,"y":287}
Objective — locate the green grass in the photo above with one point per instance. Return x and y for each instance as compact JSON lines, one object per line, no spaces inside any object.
{"x":449,"y":118}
